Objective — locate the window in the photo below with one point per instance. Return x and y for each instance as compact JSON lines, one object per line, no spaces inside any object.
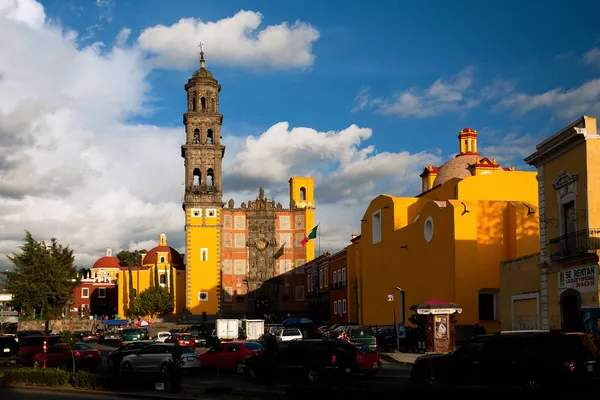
{"x":488,"y":305}
{"x":300,"y":293}
{"x":321,"y":278}
{"x":85,"y":293}
{"x":376,"y":226}
{"x":202,"y":296}
{"x":102,"y":293}
{"x":163,"y":279}
{"x":162,"y":260}
{"x":426,"y":184}
{"x":203,"y":254}
{"x":196,"y":212}
{"x":335,"y":279}
{"x":343,"y":276}
{"x":211,"y":213}
{"x":335,"y":307}
{"x":344,"y":306}
{"x":227,"y":294}
{"x":326,"y":276}
{"x":302,"y":194}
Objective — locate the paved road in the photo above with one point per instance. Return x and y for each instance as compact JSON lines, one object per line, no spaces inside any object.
{"x":26,"y":394}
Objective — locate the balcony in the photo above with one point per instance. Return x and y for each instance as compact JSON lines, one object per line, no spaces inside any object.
{"x":573,"y":244}
{"x":340,"y":285}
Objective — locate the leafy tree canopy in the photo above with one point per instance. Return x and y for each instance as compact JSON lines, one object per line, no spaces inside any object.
{"x":130,"y":258}
{"x":43,"y":277}
{"x":154,"y":300}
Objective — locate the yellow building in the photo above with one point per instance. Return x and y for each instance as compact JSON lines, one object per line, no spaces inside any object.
{"x":167,"y":261}
{"x":562,"y":286}
{"x":448,"y":241}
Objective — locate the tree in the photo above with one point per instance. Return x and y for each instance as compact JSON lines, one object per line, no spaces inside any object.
{"x":131,"y":258}
{"x":156,"y":281}
{"x":172,"y":284}
{"x":132,"y":309}
{"x":43,"y":277}
{"x":154,"y":300}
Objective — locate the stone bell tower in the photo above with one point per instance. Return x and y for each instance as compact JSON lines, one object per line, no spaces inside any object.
{"x":203,"y":154}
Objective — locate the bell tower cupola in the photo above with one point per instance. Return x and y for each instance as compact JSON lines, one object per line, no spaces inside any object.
{"x":467,"y":142}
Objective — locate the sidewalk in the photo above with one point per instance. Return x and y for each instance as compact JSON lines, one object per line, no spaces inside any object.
{"x":400,"y":358}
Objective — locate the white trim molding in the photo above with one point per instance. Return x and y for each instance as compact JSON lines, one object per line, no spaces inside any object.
{"x":525,"y":296}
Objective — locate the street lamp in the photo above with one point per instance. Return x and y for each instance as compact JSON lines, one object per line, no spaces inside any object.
{"x":402,"y":315}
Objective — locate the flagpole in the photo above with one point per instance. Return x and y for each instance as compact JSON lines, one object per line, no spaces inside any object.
{"x":319,"y":236}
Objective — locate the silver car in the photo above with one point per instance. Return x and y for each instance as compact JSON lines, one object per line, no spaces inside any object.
{"x":156,"y":357}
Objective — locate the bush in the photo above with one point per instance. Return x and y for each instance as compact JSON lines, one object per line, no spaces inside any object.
{"x":31,"y":376}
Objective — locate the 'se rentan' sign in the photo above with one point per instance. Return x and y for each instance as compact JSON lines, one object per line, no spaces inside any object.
{"x":582,"y":279}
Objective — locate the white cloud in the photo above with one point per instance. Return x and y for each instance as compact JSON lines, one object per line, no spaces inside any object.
{"x":592,"y":57}
{"x":569,"y":103}
{"x":444,"y":95}
{"x":71,"y":166}
{"x":234,"y":40}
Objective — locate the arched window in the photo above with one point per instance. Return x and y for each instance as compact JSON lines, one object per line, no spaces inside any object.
{"x":203,"y":103}
{"x":196,"y":136}
{"x":209,"y":136}
{"x":162,"y":259}
{"x":197,"y":180}
{"x":194,"y":100}
{"x":302,"y":193}
{"x":163,"y":279}
{"x":210,"y":176}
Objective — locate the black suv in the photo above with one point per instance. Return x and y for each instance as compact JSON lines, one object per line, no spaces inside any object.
{"x":314,"y":358}
{"x":515,"y":358}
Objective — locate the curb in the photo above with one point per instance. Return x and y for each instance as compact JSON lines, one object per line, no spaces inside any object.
{"x":392,"y":360}
{"x":95,"y":392}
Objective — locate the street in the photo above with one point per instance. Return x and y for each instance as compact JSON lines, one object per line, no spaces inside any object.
{"x":28,"y":394}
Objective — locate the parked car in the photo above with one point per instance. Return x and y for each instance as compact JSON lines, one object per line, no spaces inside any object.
{"x":156,"y":357}
{"x":229,"y":356}
{"x":134,"y":334}
{"x":29,"y":346}
{"x":25,"y":333}
{"x":162,"y":336}
{"x":8,"y":346}
{"x":114,"y":357}
{"x":109,"y":336}
{"x":61,"y":355}
{"x":287,"y":334}
{"x":529,"y":358}
{"x":362,"y":334}
{"x":85,"y":336}
{"x":183,"y":339}
{"x":368,"y":360}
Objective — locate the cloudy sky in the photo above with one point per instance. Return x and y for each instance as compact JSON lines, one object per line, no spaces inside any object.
{"x":361,"y":97}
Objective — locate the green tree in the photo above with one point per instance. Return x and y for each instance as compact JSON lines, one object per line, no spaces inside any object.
{"x":131,"y":258}
{"x":132,"y":309}
{"x":156,"y":281}
{"x":43,"y":277}
{"x":154,"y":300}
{"x":172,"y":284}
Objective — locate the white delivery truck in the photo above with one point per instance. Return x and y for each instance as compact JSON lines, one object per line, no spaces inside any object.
{"x":228,"y":329}
{"x":254,"y":328}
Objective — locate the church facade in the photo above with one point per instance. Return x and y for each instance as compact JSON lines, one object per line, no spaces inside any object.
{"x":240,"y":260}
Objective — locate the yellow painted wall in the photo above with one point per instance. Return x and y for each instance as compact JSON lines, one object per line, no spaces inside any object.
{"x":203,"y":232}
{"x":517,"y":277}
{"x":308,"y":183}
{"x":465,"y":252}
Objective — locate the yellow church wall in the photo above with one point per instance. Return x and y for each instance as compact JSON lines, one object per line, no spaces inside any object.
{"x":305,"y":200}
{"x":593,"y":183}
{"x":519,"y":288}
{"x":203,"y":276}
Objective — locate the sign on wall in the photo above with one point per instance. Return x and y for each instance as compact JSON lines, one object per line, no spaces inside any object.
{"x":582,"y":279}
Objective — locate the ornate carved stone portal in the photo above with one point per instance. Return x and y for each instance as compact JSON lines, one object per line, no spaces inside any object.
{"x":262,"y":241}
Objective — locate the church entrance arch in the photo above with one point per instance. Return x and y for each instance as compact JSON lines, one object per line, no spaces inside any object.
{"x":570,"y":310}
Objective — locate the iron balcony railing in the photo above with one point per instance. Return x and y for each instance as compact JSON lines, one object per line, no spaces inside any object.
{"x":340,"y":285}
{"x":574,"y":244}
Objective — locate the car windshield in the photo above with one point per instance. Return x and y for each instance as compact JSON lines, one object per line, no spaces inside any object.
{"x":187,"y":350}
{"x":253,"y":346}
{"x":291,"y":332}
{"x":131,"y":331}
{"x":82,"y":346}
{"x":360,"y":333}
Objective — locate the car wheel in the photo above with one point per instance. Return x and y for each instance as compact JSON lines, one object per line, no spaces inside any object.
{"x":127,"y":367}
{"x":313,"y":374}
{"x":239,"y":368}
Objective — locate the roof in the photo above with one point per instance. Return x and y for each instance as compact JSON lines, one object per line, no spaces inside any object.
{"x":174,"y":256}
{"x":107,"y":262}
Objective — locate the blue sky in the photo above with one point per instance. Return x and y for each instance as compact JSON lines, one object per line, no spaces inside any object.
{"x":381,"y":88}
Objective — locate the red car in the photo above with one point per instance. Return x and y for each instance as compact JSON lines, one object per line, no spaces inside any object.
{"x":229,"y":356}
{"x":61,"y":355}
{"x":368,"y":360}
{"x":29,"y":346}
{"x":183,"y":339}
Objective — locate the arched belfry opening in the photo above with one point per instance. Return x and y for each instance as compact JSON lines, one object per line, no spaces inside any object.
{"x":209,"y":136}
{"x":194,"y":101}
{"x":210,"y":177}
{"x":196,"y":136}
{"x":302,"y":193}
{"x":197,"y":177}
{"x":203,"y":103}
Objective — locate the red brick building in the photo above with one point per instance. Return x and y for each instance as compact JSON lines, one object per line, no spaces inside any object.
{"x":337,"y":267}
{"x":97,"y":294}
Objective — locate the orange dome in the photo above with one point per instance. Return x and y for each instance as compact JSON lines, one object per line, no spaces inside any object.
{"x":467,"y":129}
{"x":107,"y":262}
{"x":174,"y":256}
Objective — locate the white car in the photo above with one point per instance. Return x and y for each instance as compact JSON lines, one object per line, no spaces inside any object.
{"x":287,"y":334}
{"x":162,"y":336}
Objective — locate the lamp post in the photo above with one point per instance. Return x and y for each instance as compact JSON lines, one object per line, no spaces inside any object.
{"x":401,"y":316}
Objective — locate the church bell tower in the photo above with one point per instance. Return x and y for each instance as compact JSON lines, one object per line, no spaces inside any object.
{"x":203,"y":157}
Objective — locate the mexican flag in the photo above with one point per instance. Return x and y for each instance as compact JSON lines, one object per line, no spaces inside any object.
{"x":311,"y":235}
